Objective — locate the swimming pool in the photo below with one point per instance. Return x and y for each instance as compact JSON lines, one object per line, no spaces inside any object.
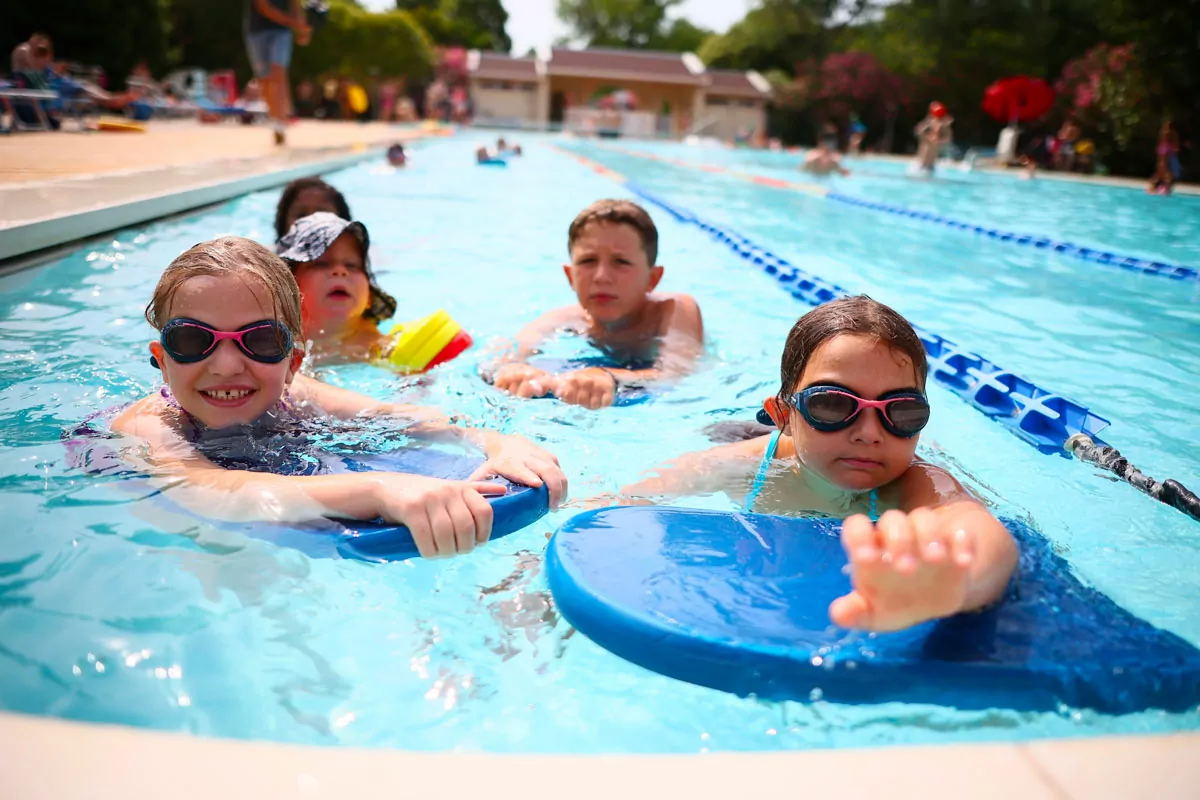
{"x":110,"y":612}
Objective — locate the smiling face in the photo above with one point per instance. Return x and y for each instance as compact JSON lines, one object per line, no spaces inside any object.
{"x":334,"y":289}
{"x":610,"y":272}
{"x":227,"y":387}
{"x":863,"y":456}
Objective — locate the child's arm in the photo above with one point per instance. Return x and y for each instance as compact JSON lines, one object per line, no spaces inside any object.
{"x":512,"y":457}
{"x":682,"y":341}
{"x":721,"y":468}
{"x":941,"y":553}
{"x":512,"y":373}
{"x":445,"y":517}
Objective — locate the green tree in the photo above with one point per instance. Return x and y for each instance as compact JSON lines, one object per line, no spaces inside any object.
{"x":363,"y":45}
{"x":112,"y":34}
{"x":682,"y":37}
{"x":478,"y":24}
{"x":209,"y":34}
{"x":637,"y":24}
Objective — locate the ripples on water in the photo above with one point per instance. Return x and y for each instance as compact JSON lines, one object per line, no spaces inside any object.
{"x":116,"y":608}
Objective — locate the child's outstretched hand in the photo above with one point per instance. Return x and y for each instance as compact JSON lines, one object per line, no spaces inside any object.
{"x":523,"y":380}
{"x":591,"y":388}
{"x":445,"y":518}
{"x":907,"y":569}
{"x":523,"y":462}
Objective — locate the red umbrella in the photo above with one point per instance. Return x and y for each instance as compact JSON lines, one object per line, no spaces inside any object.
{"x":1019,"y":99}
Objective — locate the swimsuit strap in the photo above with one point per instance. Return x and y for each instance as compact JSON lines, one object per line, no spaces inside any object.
{"x":760,"y":478}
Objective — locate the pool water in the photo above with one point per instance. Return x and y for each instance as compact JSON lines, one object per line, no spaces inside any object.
{"x":114,"y":609}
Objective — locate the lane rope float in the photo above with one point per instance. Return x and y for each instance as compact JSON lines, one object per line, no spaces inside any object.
{"x":1090,"y":254}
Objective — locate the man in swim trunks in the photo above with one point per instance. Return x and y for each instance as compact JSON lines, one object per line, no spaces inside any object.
{"x":270,"y":25}
{"x":613,"y":246}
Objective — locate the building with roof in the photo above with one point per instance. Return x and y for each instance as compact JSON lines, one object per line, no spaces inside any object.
{"x":617,"y":92}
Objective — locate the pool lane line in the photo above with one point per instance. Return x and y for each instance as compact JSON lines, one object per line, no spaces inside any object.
{"x":1130,"y":263}
{"x":1037,"y":416}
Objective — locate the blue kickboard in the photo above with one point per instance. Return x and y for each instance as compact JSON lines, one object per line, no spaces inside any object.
{"x":519,"y":508}
{"x":739,"y":602}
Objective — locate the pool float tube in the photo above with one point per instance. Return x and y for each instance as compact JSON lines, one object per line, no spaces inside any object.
{"x":373,"y":540}
{"x":120,"y":125}
{"x":425,"y":343}
{"x":739,"y":602}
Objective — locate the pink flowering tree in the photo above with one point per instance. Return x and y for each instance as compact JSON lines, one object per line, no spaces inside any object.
{"x":1108,"y":92}
{"x":856,"y":83}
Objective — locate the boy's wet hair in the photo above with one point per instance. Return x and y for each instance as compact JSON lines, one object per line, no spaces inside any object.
{"x":293,"y":190}
{"x":230,"y":255}
{"x":858,"y":315}
{"x":618,"y":212}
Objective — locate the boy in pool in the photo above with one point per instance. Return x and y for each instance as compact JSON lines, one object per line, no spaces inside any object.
{"x":340,"y":302}
{"x":233,"y":288}
{"x":306,"y":196}
{"x":848,"y":416}
{"x":613,"y":246}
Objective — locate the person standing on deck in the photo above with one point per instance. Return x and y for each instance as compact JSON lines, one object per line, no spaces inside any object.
{"x":270,"y":25}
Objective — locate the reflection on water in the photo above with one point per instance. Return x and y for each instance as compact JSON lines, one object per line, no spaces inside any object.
{"x":117,"y":608}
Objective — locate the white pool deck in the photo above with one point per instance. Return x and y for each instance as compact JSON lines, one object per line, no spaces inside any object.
{"x":60,"y":187}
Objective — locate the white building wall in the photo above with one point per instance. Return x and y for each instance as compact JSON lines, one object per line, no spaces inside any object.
{"x":732,"y":116}
{"x":505,"y":102}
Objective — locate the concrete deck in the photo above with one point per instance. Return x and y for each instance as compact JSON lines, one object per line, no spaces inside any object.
{"x":61,"y":187}
{"x":56,"y":760}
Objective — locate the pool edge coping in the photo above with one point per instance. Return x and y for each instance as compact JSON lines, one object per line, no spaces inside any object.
{"x":118,"y":761}
{"x":27,"y":240}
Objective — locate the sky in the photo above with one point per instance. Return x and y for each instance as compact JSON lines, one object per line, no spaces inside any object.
{"x":532,"y":23}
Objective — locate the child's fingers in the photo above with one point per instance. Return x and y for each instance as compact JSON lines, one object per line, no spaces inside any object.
{"x":962,"y":547}
{"x":898,"y":540}
{"x":481,"y":513}
{"x":486,"y":487}
{"x":442,"y":526}
{"x":850,"y":611}
{"x":463,"y":522}
{"x":553,"y":478}
{"x":422,"y":532}
{"x":931,"y":543}
{"x":859,"y":539}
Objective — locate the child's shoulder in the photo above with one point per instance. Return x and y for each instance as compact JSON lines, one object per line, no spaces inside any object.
{"x":924,"y":484}
{"x":148,"y":418}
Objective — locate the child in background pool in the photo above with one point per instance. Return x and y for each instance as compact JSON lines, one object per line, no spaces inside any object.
{"x":307,"y":196}
{"x":233,"y":288}
{"x":848,"y":415}
{"x":341,"y":304}
{"x":613,"y":246}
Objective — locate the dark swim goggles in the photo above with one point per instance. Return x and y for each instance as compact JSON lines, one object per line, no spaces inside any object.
{"x":903,"y":413}
{"x":188,"y":341}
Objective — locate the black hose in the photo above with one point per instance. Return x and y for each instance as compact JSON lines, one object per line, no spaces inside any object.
{"x":1170,"y":492}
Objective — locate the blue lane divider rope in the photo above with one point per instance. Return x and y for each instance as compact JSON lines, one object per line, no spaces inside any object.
{"x":1131,"y":263}
{"x":1037,"y":416}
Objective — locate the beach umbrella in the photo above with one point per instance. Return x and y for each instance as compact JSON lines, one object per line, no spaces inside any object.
{"x":1018,"y":99}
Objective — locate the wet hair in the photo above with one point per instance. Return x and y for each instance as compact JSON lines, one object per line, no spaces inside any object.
{"x":618,"y":212}
{"x":230,"y":255}
{"x":858,"y":315}
{"x":293,"y":190}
